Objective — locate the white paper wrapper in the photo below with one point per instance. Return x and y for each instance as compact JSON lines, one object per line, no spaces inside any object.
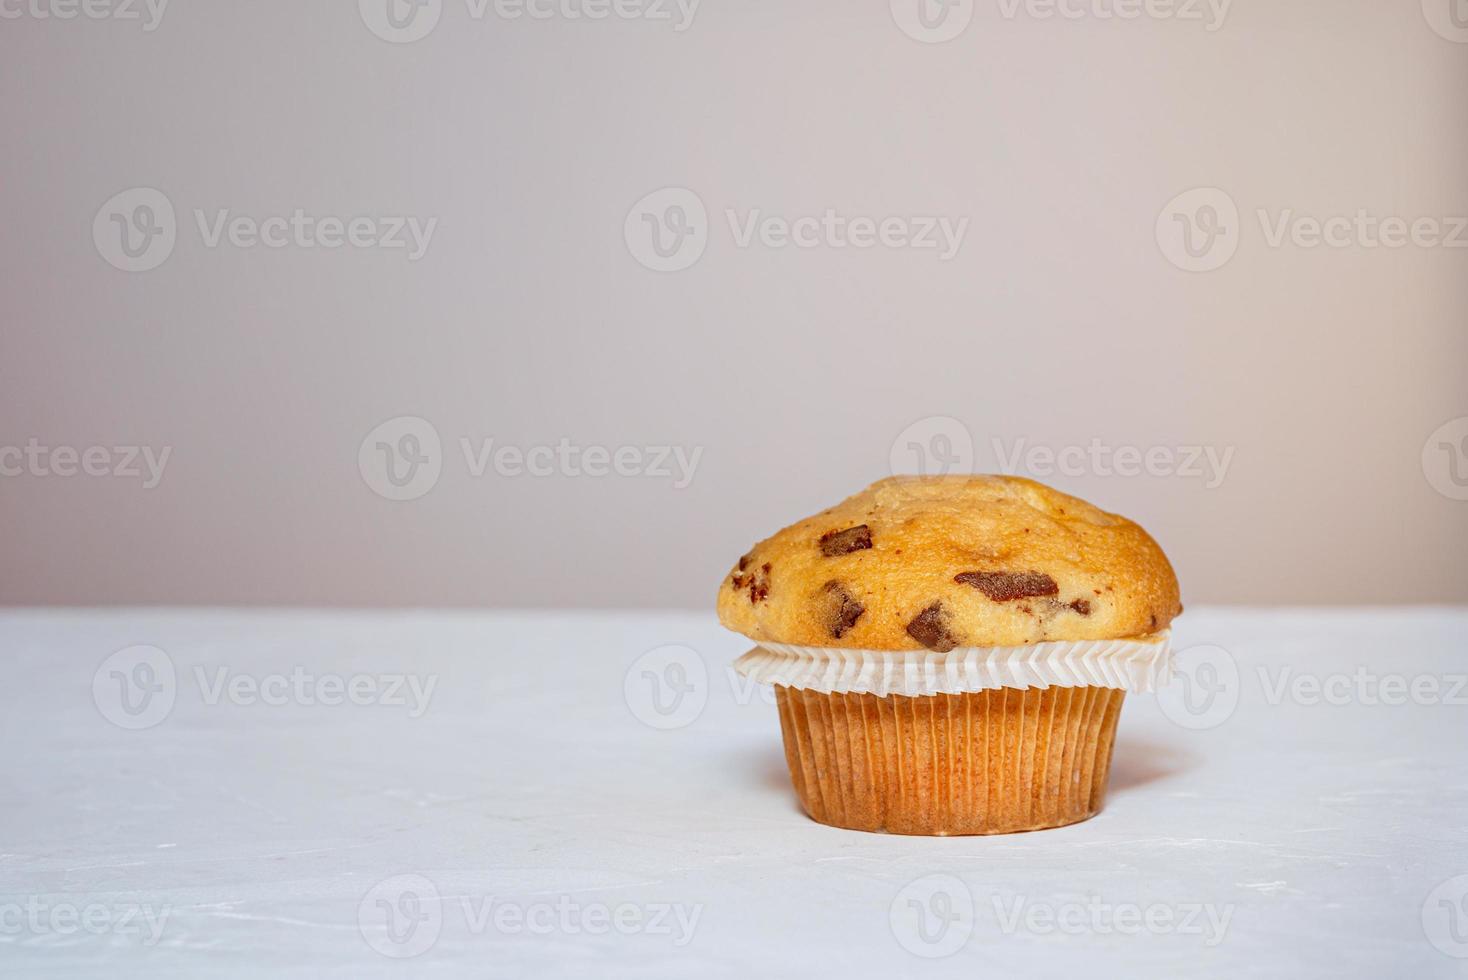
{"x":1142,"y":665}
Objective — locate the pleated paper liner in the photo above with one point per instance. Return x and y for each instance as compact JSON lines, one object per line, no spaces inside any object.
{"x":986,"y":762}
{"x":1133,"y":664}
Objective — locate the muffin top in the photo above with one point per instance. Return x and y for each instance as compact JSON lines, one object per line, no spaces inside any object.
{"x":944,"y":562}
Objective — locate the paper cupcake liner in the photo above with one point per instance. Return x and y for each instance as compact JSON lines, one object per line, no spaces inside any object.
{"x":986,"y":762}
{"x":1142,"y":665}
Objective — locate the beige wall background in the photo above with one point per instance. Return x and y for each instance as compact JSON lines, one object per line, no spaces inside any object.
{"x":1087,"y":312}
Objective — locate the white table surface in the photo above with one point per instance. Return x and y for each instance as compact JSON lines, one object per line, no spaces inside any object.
{"x":240,"y":838}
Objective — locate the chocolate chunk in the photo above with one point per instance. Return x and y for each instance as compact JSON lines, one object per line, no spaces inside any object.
{"x":930,"y":628}
{"x":759,"y":584}
{"x":1082,"y":606}
{"x":738,"y":579}
{"x":1004,"y":586}
{"x":840,"y":609}
{"x":835,"y":543}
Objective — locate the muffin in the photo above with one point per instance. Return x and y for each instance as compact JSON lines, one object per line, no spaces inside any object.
{"x":950,"y":654}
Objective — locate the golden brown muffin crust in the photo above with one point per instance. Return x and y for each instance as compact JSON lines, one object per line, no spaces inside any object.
{"x":939,"y":562}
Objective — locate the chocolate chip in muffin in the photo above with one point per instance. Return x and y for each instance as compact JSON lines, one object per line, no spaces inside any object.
{"x":1082,"y":606}
{"x":737,"y":578}
{"x":1005,"y":586}
{"x":930,"y":628}
{"x":835,"y":543}
{"x":759,"y":583}
{"x":840,"y":610}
